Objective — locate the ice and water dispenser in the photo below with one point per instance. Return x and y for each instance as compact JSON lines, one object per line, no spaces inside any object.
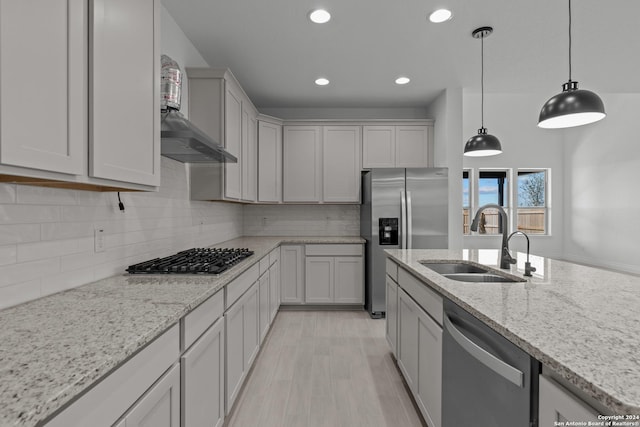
{"x":388,"y":231}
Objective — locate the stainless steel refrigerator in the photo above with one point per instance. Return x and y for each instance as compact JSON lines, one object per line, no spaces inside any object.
{"x":401,"y":209}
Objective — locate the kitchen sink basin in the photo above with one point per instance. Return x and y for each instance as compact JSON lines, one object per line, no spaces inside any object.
{"x":481,"y":277}
{"x":453,"y":267}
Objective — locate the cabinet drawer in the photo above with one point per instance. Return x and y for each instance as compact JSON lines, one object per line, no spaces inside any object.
{"x":392,"y":270}
{"x":195,"y":323}
{"x":429,"y":300}
{"x":333,"y":250}
{"x":274,"y":256}
{"x":239,"y":286}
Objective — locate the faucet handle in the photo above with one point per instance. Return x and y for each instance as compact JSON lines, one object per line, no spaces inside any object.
{"x":507,"y":256}
{"x":528,"y":269}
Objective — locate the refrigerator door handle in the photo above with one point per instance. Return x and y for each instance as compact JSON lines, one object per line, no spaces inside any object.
{"x":403,"y":222}
{"x":409,"y":219}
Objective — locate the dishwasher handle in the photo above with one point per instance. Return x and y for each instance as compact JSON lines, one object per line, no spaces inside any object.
{"x":501,"y":368}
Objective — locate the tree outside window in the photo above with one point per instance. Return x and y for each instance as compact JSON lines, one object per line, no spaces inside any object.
{"x":532,"y":196}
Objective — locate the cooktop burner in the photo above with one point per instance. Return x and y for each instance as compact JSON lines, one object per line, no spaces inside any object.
{"x":193,"y":261}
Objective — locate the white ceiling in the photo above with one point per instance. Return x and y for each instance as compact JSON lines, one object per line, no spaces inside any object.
{"x":276,"y":52}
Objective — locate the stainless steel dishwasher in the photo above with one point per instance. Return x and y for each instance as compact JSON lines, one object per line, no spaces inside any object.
{"x":487,"y":381}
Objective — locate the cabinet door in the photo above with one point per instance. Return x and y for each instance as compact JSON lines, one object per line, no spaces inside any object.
{"x":391,"y":331}
{"x":125,"y":91}
{"x":43,"y":82}
{"x":341,"y":153}
{"x":203,"y":379}
{"x":160,"y":406}
{"x":291,"y":274}
{"x":233,"y":141}
{"x":557,"y":405}
{"x":249,"y":152}
{"x":265,"y":308}
{"x":412,"y":146}
{"x":302,"y":165}
{"x":274,"y":290}
{"x":234,"y":366}
{"x":319,"y":279}
{"x":429,"y":390}
{"x":251,"y":332}
{"x":349,"y":280}
{"x":378,"y":147}
{"x":269,"y":162}
{"x":408,"y":339}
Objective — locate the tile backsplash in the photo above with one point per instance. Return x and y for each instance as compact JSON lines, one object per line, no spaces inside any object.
{"x":302,"y":220}
{"x":47,"y":235}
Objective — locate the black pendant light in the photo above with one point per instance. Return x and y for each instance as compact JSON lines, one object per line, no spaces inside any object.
{"x":482,"y":144}
{"x":573,"y":106}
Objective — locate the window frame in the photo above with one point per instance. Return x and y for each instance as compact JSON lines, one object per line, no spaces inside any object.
{"x":547,"y":199}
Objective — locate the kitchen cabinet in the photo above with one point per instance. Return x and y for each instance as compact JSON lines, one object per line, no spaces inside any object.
{"x":116,"y":146}
{"x":105,"y":403}
{"x":302,"y":164}
{"x":265,"y":308}
{"x":221,"y":109}
{"x":274,"y":284}
{"x":401,"y":146}
{"x":391,"y":327}
{"x":419,"y":345}
{"x":341,"y":153}
{"x":269,"y":161}
{"x":292,"y":274}
{"x":242,"y":344}
{"x":160,"y":406}
{"x":556,"y":404}
{"x":334,"y":274}
{"x":203,"y":378}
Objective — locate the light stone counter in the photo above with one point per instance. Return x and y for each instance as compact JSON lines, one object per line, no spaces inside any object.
{"x":54,"y":348}
{"x":582,"y":323}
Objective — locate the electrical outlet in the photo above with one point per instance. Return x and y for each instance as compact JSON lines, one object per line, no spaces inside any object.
{"x":264,"y":221}
{"x":98,"y":239}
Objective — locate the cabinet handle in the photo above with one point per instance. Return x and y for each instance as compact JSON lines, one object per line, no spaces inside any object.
{"x":403,"y":219}
{"x":409,"y":222}
{"x":501,"y":368}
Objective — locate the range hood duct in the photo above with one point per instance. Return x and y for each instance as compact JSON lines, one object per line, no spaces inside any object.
{"x":181,"y":140}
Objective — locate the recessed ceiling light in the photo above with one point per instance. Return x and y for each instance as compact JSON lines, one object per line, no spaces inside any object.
{"x":322,"y":81}
{"x":402,"y":80}
{"x":440,"y":15}
{"x":320,"y":16}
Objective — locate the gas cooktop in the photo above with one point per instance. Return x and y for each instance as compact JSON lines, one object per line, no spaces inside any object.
{"x":193,"y":261}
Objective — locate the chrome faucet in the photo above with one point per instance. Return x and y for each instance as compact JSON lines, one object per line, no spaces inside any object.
{"x":506,"y":259}
{"x":527,"y":265}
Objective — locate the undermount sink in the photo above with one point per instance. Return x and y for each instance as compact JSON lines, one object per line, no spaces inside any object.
{"x":464,"y":272}
{"x":453,"y":267}
{"x":481,"y":277}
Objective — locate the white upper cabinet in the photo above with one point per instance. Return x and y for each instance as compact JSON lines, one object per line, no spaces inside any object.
{"x":43,"y":74}
{"x":60,"y":59}
{"x":401,"y":146}
{"x":269,"y":162}
{"x":341,"y":151}
{"x":233,"y":141}
{"x":302,"y":163}
{"x":125,"y":98}
{"x":249,"y":152}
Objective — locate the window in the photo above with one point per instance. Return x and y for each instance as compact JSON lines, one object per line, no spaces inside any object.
{"x":493,"y":187}
{"x":466,"y":202}
{"x":532,"y":201}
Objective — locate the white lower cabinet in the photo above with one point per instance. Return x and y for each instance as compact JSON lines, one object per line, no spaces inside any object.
{"x":203,"y":379}
{"x":391,"y":327}
{"x":265,"y":308}
{"x":334,"y":274}
{"x":318,"y":281}
{"x":419,"y":356}
{"x":292,"y":274}
{"x":274,"y":288}
{"x":557,"y":405}
{"x":349,"y":280}
{"x":160,"y":406}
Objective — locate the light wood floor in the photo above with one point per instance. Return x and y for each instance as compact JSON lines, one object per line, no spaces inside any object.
{"x":325,"y":368}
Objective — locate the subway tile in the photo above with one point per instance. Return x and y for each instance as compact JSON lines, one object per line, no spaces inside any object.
{"x":26,"y":271}
{"x":32,"y":195}
{"x":18,"y":293}
{"x":7,"y":193}
{"x":45,"y":250}
{"x":8,"y":254}
{"x":66,"y":230}
{"x":19,"y":233}
{"x":29,"y":214}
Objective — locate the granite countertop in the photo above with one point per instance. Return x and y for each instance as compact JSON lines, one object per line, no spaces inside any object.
{"x":581,"y":322}
{"x":54,"y":348}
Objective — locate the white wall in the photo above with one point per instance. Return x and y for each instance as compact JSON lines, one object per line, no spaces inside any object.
{"x":512,"y":118}
{"x":602,"y":207}
{"x":346,"y":113}
{"x":47,"y":235}
{"x":302,"y":220}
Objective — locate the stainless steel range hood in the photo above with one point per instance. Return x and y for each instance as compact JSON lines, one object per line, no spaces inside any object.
{"x":181,"y":140}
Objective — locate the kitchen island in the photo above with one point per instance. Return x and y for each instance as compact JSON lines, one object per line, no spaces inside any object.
{"x":56,"y":348}
{"x":580,"y":322}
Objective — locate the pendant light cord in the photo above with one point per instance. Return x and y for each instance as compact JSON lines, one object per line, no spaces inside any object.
{"x":569,"y":40}
{"x":482,"y":81}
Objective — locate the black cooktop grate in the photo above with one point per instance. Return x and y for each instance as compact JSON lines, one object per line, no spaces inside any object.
{"x":193,"y":261}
